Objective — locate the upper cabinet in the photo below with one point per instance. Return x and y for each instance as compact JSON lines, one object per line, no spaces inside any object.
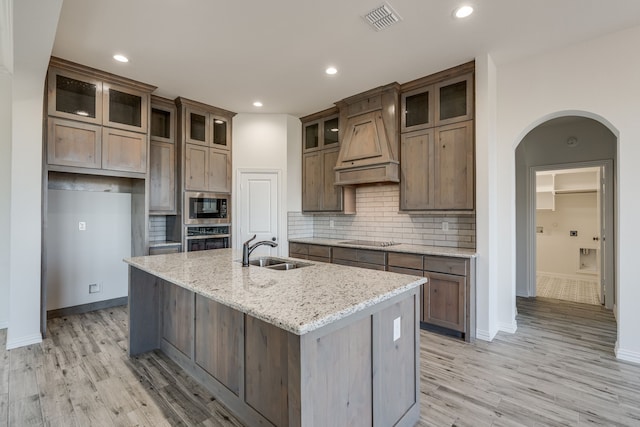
{"x":205,"y":138}
{"x":97,"y":122}
{"x":162,"y":157}
{"x":437,"y":150}
{"x":320,"y":146}
{"x":437,"y":103}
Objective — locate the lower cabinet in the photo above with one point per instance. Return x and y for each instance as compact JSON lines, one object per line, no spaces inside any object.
{"x":443,"y":301}
{"x":364,"y":258}
{"x":311,"y":252}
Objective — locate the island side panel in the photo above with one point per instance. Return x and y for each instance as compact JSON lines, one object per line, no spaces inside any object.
{"x":396,"y":343}
{"x":219,"y":347}
{"x":266,"y":370}
{"x":177,"y":317}
{"x":336,"y":377}
{"x":144,"y":308}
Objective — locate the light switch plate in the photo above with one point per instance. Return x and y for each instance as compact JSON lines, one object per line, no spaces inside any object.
{"x":82,"y":226}
{"x":396,"y":329}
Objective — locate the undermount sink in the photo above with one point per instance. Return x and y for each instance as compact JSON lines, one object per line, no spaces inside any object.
{"x":266,"y":261}
{"x":277,"y":263}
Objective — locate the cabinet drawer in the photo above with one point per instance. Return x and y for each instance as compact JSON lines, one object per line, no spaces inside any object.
{"x":403,"y":270}
{"x":347,"y":254}
{"x":319,"y":251}
{"x":372,"y":257}
{"x":298,"y":250}
{"x":405,"y":260}
{"x":318,"y":258}
{"x":446,"y":265}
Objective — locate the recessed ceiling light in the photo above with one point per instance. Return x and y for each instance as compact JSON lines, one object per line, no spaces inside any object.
{"x":120,"y":58}
{"x":257,"y":104}
{"x":463,"y":11}
{"x":331,"y":70}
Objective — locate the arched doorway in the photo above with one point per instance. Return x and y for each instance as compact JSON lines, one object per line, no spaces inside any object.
{"x":566,"y":141}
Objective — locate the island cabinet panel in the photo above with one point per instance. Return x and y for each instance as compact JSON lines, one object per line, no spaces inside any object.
{"x":266,"y":369}
{"x":395,"y":370}
{"x":218,"y":342}
{"x":340,"y":381}
{"x":177,"y":317}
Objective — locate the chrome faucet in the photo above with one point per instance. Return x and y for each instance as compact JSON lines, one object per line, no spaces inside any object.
{"x":246,"y":249}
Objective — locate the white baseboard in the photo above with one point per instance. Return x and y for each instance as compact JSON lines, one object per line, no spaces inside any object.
{"x":24,"y":341}
{"x":510,"y":328}
{"x":627,"y":355}
{"x":485,"y":335}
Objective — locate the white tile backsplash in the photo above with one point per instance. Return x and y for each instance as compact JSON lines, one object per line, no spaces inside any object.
{"x":157,"y":228}
{"x":377,"y":218}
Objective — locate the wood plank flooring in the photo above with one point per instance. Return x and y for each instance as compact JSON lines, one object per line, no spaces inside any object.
{"x":558,"y":369}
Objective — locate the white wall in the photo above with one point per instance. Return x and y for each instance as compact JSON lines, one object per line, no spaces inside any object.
{"x":557,"y":251}
{"x":77,"y":258}
{"x":34,"y":24}
{"x":598,"y":77}
{"x":261,"y":142}
{"x":5,"y":173}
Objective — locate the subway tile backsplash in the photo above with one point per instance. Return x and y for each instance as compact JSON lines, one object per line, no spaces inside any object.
{"x":157,"y":228}
{"x":377,"y":218}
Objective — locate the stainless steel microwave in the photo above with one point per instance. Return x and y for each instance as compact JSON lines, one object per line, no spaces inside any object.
{"x":206,"y":208}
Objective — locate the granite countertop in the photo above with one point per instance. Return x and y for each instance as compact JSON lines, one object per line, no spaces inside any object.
{"x":401,"y":247}
{"x":299,"y":300}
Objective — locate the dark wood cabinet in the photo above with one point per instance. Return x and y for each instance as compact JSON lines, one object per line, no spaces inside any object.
{"x":364,"y":258}
{"x":309,"y":251}
{"x":443,"y":301}
{"x":98,"y":122}
{"x":162,"y":157}
{"x":205,"y":135}
{"x":320,"y":144}
{"x":437,"y":150}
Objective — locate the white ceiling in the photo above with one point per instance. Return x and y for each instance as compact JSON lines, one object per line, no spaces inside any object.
{"x":231,"y":53}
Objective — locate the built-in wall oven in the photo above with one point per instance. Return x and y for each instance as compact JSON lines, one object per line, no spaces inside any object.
{"x":206,"y":208}
{"x":205,"y":237}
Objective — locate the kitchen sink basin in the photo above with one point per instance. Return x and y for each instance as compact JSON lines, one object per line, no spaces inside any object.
{"x":266,"y":261}
{"x":277,"y":263}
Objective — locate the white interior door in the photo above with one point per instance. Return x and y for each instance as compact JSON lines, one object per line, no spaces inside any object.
{"x":257,"y":210}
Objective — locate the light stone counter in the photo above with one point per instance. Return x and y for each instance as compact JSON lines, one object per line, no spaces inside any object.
{"x":299,"y":300}
{"x":402,"y":247}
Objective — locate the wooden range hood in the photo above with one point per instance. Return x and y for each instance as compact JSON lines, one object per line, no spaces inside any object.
{"x":369,"y":137}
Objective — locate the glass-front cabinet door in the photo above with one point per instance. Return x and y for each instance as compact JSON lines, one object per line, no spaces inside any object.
{"x":311,"y":136}
{"x":162,"y":123}
{"x":197,"y":125}
{"x":330,"y":132}
{"x":220,"y":138}
{"x":454,"y":100}
{"x":321,"y":133}
{"x":125,"y":108}
{"x":74,"y":96}
{"x":417,"y":109}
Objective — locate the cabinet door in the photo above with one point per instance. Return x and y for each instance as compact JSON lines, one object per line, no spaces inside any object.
{"x":72,"y":143}
{"x":417,"y":109}
{"x":162,"y":180}
{"x":417,"y":190}
{"x":221,"y":133}
{"x":219,"y":171}
{"x":331,"y":194}
{"x":124,"y":151}
{"x":125,"y":108}
{"x":444,"y":301}
{"x":454,"y":100}
{"x":196,"y":168}
{"x":177,"y":317}
{"x":198,"y":125}
{"x":311,"y":136}
{"x":454,"y":166}
{"x":162,"y":123}
{"x":311,"y":181}
{"x":74,"y":96}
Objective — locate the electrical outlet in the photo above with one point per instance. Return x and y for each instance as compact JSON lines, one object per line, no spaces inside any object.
{"x":94,"y":288}
{"x":445,"y":226}
{"x":82,"y":226}
{"x":396,"y":329}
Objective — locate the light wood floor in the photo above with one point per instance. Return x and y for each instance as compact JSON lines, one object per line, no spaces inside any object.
{"x":558,"y":369}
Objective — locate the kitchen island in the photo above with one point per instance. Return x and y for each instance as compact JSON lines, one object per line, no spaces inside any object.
{"x":323,"y":344}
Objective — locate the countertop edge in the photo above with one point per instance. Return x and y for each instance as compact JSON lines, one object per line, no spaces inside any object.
{"x":399,"y":248}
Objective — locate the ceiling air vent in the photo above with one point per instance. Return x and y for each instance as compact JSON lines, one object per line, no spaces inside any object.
{"x":382,"y":17}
